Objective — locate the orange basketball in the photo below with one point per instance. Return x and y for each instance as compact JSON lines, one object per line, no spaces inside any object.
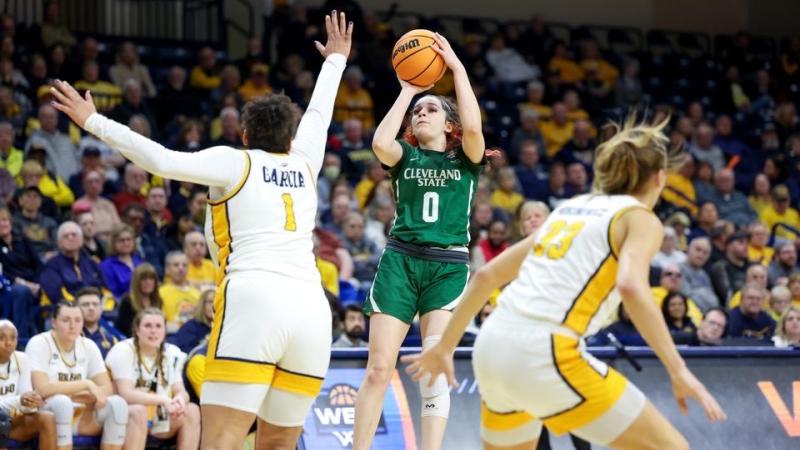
{"x":415,"y":61}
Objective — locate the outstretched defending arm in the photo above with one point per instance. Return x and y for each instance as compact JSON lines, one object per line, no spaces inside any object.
{"x":309,"y":142}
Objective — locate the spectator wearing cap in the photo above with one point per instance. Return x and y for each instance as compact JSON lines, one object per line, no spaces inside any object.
{"x":527,"y":130}
{"x":104,"y":212}
{"x":129,"y":68}
{"x":70,"y":269}
{"x":10,"y":157}
{"x":104,"y":94}
{"x":758,"y":252}
{"x":696,"y":282}
{"x":55,"y":192}
{"x":731,"y":204}
{"x":82,"y":211}
{"x":781,"y":213}
{"x":256,"y":84}
{"x":728,"y":274}
{"x":92,"y":161}
{"x":749,"y":319}
{"x":31,"y":223}
{"x":353,"y":101}
{"x":756,"y":274}
{"x":62,"y":156}
{"x":783,"y":264}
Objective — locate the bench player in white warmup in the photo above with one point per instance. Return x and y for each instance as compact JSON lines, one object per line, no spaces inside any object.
{"x":566,"y":279}
{"x":270,"y":344}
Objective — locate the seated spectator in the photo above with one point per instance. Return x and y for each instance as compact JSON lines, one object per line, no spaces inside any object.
{"x":535,"y":101}
{"x":508,"y":65}
{"x":787,"y":332}
{"x":794,"y":287}
{"x":506,"y":196}
{"x":731,"y":145}
{"x":230,"y":134}
{"x":527,"y":131}
{"x":728,"y":274}
{"x":758,"y":252}
{"x":380,"y":217}
{"x":492,"y":245}
{"x":354,"y":328}
{"x":129,"y":68}
{"x":784,"y":264}
{"x":679,"y":222}
{"x":147,"y":373}
{"x":780,"y":299}
{"x":558,"y":131}
{"x":55,"y":193}
{"x":696,"y":282}
{"x":104,"y":212}
{"x":175,"y":233}
{"x":143,"y":293}
{"x":158,"y":216}
{"x":91,"y":244}
{"x":10,"y":157}
{"x":205,"y":75}
{"x":201,"y":270}
{"x":749,"y":319}
{"x":712,"y":328}
{"x":704,"y":149}
{"x":353,"y":101}
{"x":53,"y":31}
{"x":581,"y":147}
{"x":760,"y":198}
{"x":563,"y":68}
{"x":731,"y":204}
{"x":374,"y":175}
{"x":780,"y":212}
{"x":230,"y":82}
{"x":179,"y":297}
{"x":327,"y":270}
{"x":756,"y":274}
{"x":474,"y":327}
{"x":573,"y":103}
{"x":363,"y":251}
{"x":93,"y":159}
{"x":70,"y":270}
{"x":196,"y":330}
{"x":532,"y":177}
{"x":331,"y":249}
{"x":671,"y":280}
{"x":94,"y":327}
{"x":134,"y":180}
{"x":529,"y":218}
{"x":354,"y":148}
{"x":593,"y":60}
{"x":118,"y":267}
{"x":190,"y":136}
{"x":106,"y":96}
{"x":256,"y":84}
{"x":134,"y":104}
{"x":21,"y":267}
{"x":679,"y":191}
{"x":676,"y":314}
{"x":31,"y":223}
{"x":340,"y":208}
{"x":628,"y":88}
{"x":668,"y":254}
{"x":176,"y":100}
{"x":557,"y":190}
{"x":623,"y":330}
{"x":577,"y":178}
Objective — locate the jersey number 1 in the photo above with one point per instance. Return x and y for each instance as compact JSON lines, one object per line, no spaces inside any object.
{"x":554,"y":248}
{"x":288,"y":205}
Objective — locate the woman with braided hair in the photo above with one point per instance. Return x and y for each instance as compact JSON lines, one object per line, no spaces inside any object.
{"x":147,"y":373}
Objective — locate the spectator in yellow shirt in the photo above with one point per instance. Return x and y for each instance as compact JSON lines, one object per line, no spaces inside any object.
{"x":256,"y":84}
{"x":563,"y":68}
{"x":11,"y":158}
{"x":756,"y":274}
{"x":105,"y":95}
{"x":780,"y":298}
{"x":757,"y":249}
{"x":353,"y":101}
{"x":535,"y":101}
{"x":779,"y":212}
{"x":592,"y":60}
{"x":373,"y":175}
{"x":49,"y":184}
{"x":178,"y":296}
{"x":201,"y":270}
{"x":327,"y":270}
{"x":206,"y":75}
{"x":558,"y":131}
{"x":760,"y":199}
{"x":507,"y":195}
{"x":672,"y":281}
{"x":574,"y":110}
{"x":679,"y":191}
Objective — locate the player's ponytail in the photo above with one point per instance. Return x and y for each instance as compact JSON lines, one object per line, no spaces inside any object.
{"x":630,"y":157}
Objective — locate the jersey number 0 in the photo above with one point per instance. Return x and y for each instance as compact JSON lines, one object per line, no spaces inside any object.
{"x":557,"y":239}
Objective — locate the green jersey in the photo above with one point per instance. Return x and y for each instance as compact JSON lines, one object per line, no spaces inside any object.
{"x":433,"y":193}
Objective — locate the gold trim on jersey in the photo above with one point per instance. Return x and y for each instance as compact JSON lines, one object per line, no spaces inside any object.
{"x":19,"y":368}
{"x":232,"y":369}
{"x":496,"y":421}
{"x":598,"y":392}
{"x":61,"y":353}
{"x":617,"y":215}
{"x":238,"y":186}
{"x":297,"y":383}
{"x":221,"y":231}
{"x":313,"y":177}
{"x":593,"y":294}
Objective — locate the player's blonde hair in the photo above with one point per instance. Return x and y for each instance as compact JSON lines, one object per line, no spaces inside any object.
{"x":632,"y":155}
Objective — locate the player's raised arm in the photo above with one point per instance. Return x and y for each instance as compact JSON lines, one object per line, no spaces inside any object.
{"x":468,"y":109}
{"x":309,"y":142}
{"x":217,"y":166}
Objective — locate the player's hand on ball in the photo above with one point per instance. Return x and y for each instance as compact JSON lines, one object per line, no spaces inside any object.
{"x":71,"y":103}
{"x":444,"y":49}
{"x":686,"y":385}
{"x":340,"y":35}
{"x":430,"y":364}
{"x":406,"y":86}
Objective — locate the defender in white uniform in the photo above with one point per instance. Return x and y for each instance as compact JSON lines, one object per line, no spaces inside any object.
{"x":18,"y":400}
{"x":566,"y":279}
{"x":269,"y":347}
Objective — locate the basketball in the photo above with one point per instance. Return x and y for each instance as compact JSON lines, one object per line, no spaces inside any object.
{"x":415,"y":61}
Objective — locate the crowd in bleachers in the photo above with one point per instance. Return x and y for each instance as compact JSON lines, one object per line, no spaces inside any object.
{"x":76,"y":214}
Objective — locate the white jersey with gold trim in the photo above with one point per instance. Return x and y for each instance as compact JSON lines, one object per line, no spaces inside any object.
{"x":83,"y":362}
{"x":15,"y":380}
{"x":569,"y":277}
{"x":124,"y":365}
{"x":265,"y":223}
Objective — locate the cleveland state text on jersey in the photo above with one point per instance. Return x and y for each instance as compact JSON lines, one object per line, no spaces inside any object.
{"x":432,"y":177}
{"x":284,"y":178}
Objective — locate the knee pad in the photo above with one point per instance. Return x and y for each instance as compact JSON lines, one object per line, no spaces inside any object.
{"x":435,"y":398}
{"x":114,"y":419}
{"x":62,"y":408}
{"x":5,"y":428}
